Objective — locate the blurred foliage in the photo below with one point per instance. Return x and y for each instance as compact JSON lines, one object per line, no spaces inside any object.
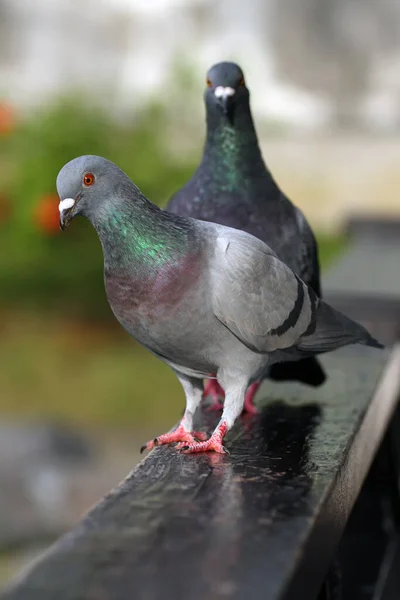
{"x":330,"y":247}
{"x":39,"y":267}
{"x":77,"y":372}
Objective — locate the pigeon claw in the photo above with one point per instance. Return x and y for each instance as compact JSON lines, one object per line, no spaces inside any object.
{"x":214,"y":443}
{"x":178,"y":435}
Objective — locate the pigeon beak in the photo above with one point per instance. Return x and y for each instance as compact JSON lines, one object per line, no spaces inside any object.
{"x":66,"y":212}
{"x":224,"y":96}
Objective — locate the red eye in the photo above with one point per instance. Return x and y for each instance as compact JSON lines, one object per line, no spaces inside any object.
{"x":241,"y":82}
{"x":209,"y":84}
{"x":88,"y":179}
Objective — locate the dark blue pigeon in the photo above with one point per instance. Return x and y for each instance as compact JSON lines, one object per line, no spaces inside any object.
{"x":232,"y":186}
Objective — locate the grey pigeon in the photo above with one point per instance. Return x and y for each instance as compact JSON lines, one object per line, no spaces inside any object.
{"x":210,"y":301}
{"x":233,"y":187}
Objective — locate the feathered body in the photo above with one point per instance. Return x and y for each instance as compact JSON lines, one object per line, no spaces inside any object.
{"x":208,"y":300}
{"x":232,"y":186}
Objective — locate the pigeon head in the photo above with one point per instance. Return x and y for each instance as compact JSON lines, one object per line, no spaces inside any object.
{"x":87,"y":184}
{"x":226,"y":88}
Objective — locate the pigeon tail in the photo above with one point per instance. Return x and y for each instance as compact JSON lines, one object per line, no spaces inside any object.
{"x":334,"y":330}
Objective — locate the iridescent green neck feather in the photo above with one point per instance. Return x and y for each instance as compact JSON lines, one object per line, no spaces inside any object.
{"x":138,"y":236}
{"x":232,"y":156}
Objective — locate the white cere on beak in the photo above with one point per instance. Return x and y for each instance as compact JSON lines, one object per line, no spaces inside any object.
{"x":221,"y":91}
{"x":66,"y":204}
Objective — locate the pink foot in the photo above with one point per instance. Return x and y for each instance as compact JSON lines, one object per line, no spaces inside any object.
{"x":178,"y":435}
{"x":214,"y":443}
{"x":215,"y":391}
{"x":249,"y":398}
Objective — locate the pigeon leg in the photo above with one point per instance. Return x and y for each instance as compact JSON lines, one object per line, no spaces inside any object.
{"x":215,"y":391}
{"x":233,"y":406}
{"x":193,"y":389}
{"x":249,"y":398}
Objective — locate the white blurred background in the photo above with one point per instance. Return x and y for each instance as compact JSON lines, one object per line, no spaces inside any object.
{"x":327,"y":71}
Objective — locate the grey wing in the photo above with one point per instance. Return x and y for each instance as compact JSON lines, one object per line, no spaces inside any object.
{"x":257,"y":296}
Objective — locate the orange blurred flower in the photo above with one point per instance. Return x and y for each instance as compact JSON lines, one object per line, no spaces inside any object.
{"x":47,"y":217}
{"x":7,"y":120}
